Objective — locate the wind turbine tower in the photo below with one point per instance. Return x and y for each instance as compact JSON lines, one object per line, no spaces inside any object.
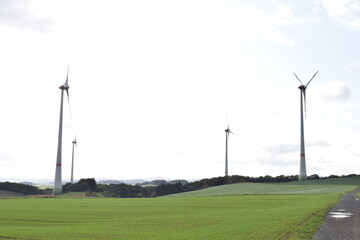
{"x":227,"y":132}
{"x":58,"y":182}
{"x":72,"y":161}
{"x":302,"y":87}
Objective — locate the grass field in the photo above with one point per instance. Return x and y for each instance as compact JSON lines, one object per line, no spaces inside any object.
{"x":265,"y":188}
{"x":329,"y":181}
{"x":236,"y":211}
{"x":223,"y":217}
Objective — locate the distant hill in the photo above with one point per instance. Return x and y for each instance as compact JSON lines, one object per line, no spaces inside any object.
{"x":109,"y":182}
{"x":152,"y":183}
{"x":126,"y":181}
{"x":160,"y":182}
{"x":142,"y":182}
{"x":28,"y":183}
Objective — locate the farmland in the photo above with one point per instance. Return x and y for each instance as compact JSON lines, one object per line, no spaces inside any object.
{"x":266,"y":188}
{"x":223,"y":217}
{"x":268,"y":211}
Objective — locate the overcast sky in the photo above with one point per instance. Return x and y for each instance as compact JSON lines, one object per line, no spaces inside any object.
{"x":152,"y":84}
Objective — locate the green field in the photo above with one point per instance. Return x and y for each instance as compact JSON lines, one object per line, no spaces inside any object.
{"x":225,"y":217}
{"x":328,"y":181}
{"x":240,"y":211}
{"x":265,"y":188}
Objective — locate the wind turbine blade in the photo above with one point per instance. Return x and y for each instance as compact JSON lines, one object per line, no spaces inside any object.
{"x":312,"y":78}
{"x":298,"y":78}
{"x":67,"y":77}
{"x":67,"y":93}
{"x":67,"y":80}
{"x":304,"y":93}
{"x":227,"y":120}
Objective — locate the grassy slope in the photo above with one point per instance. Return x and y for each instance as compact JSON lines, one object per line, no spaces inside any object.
{"x":223,"y":217}
{"x":305,"y":229}
{"x":329,"y":181}
{"x":265,"y":188}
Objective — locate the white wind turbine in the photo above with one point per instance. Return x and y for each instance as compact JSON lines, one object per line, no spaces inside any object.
{"x":227,"y":132}
{"x":302,"y":87}
{"x":72,"y":161}
{"x":58,"y":180}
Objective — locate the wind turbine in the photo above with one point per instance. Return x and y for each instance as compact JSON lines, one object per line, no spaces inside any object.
{"x":227,"y":132}
{"x":58,"y":182}
{"x":72,"y":162}
{"x":302,"y":87}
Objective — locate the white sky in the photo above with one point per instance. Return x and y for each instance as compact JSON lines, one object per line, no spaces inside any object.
{"x":152,"y":83}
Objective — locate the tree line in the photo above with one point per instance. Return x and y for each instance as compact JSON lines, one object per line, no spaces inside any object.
{"x":20,"y":188}
{"x":135,"y":191}
{"x":123,"y":190}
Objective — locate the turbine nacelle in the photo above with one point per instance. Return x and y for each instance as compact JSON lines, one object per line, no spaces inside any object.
{"x":64,"y":87}
{"x":228,"y":131}
{"x":302,"y":87}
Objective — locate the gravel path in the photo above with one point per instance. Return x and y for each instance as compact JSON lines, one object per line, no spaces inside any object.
{"x":343,"y":221}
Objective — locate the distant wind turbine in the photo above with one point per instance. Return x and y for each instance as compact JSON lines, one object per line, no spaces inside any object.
{"x":302,"y":88}
{"x":72,"y":161}
{"x":227,"y":132}
{"x":58,"y":182}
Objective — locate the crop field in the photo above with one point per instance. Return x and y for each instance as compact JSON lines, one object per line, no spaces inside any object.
{"x":333,"y":181}
{"x":222,"y":217}
{"x":265,"y":188}
{"x":235,"y":211}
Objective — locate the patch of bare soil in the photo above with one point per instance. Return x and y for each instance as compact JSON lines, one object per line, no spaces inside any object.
{"x":7,"y":194}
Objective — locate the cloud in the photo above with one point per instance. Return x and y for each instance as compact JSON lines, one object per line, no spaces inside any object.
{"x":237,"y":161}
{"x":335,"y":91}
{"x":274,"y":155}
{"x":282,"y":155}
{"x":273,"y":24}
{"x":291,"y":148}
{"x":277,"y":162}
{"x":353,"y":65}
{"x":5,"y":159}
{"x":345,"y":12}
{"x":282,"y":148}
{"x":15,"y":14}
{"x":318,"y":144}
{"x":268,"y":22}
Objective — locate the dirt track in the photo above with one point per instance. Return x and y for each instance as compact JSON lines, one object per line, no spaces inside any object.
{"x":6,"y":194}
{"x":342,"y":222}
